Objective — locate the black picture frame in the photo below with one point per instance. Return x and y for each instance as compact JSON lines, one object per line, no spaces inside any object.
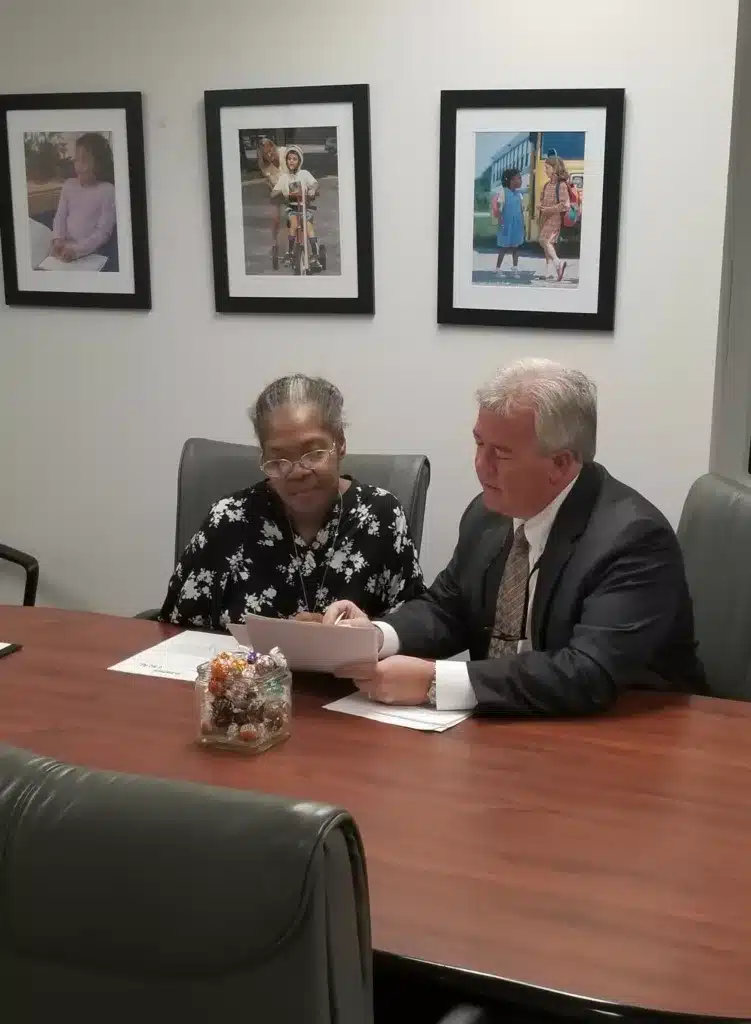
{"x":139,"y":296}
{"x":215,"y":101}
{"x":613,"y":103}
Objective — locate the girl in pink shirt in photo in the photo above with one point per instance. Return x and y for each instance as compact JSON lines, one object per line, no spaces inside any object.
{"x":86,"y":215}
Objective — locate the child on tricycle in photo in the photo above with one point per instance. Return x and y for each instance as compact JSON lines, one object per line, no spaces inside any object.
{"x":290,"y":184}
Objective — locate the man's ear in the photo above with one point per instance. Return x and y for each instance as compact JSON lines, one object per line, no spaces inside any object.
{"x":563,"y":461}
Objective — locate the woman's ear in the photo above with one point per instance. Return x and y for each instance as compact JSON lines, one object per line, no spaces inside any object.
{"x":341,"y":446}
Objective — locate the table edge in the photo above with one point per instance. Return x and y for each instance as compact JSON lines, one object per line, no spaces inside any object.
{"x":527,"y":995}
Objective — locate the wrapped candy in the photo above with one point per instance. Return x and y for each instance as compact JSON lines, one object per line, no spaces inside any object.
{"x":244,"y":700}
{"x":276,"y":715}
{"x":252,"y":732}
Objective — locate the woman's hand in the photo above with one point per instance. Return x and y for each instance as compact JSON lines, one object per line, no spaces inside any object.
{"x":58,"y":244}
{"x":308,"y":617}
{"x":344,"y":611}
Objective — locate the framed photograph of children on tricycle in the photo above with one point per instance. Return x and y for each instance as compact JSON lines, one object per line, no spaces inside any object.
{"x":290,"y":199}
{"x":529,"y":204}
{"x":73,"y":222}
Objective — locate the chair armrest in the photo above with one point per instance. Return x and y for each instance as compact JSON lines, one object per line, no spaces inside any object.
{"x":30,"y":565}
{"x":152,"y":614}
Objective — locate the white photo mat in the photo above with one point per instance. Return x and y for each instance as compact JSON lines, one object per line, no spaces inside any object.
{"x":584,"y":298}
{"x":303,"y":115}
{"x":113,"y":121}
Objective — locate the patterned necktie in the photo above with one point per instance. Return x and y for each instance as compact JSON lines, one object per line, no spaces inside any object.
{"x":509,"y":609}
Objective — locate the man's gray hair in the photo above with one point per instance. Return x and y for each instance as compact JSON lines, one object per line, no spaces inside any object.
{"x":564,"y":403}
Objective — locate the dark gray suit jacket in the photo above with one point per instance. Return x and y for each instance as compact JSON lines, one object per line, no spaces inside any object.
{"x":611,"y":607}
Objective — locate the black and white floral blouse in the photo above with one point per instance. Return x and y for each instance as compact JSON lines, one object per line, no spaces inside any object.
{"x":247,"y":558}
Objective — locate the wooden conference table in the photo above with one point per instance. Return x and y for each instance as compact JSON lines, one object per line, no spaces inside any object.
{"x":560,"y":862}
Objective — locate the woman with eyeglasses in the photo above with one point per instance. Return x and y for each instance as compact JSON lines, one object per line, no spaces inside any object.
{"x":303,"y":537}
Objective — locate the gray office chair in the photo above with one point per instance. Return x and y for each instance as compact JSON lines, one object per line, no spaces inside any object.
{"x":715,"y":536}
{"x":30,"y":566}
{"x":127,"y":898}
{"x":144,"y":899}
{"x":210,"y":469}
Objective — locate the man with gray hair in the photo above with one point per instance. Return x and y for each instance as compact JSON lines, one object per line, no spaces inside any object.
{"x":566,"y":586}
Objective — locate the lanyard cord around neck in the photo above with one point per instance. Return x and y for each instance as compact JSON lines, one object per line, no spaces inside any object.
{"x":328,"y":556}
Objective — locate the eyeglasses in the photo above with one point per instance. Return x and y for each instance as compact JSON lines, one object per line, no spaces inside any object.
{"x":278,"y":469}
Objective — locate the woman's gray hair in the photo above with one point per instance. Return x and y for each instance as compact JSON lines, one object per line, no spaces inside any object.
{"x":564,"y":403}
{"x":299,"y":390}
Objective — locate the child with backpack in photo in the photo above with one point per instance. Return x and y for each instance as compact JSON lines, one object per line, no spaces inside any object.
{"x":558,"y":209}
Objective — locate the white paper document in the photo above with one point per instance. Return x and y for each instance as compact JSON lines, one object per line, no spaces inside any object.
{"x":425,"y":719}
{"x":91,"y":263}
{"x":178,"y":657}
{"x":309,"y":646}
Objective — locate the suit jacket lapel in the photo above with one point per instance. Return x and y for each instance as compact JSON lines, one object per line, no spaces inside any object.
{"x":569,"y":525}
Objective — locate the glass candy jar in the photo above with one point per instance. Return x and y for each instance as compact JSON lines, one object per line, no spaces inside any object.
{"x":244,"y":700}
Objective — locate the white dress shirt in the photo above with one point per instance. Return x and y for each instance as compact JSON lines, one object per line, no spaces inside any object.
{"x":453,"y":690}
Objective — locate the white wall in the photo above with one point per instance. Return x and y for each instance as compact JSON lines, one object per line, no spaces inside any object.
{"x":94,"y":407}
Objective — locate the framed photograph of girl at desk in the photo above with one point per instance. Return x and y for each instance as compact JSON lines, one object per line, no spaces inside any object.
{"x":290,"y":199}
{"x":530,"y":186}
{"x":73,"y":222}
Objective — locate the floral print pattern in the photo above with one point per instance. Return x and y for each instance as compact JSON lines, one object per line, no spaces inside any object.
{"x":246,"y":558}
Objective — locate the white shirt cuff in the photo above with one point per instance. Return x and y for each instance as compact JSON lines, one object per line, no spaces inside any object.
{"x":390,"y":645}
{"x":453,"y":690}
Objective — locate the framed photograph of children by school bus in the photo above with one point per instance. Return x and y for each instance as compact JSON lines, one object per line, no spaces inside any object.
{"x":73,"y":221}
{"x":290,"y":199}
{"x":529,"y":205}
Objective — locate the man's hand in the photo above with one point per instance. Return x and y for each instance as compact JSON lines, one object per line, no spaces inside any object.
{"x":397,"y":680}
{"x":347,"y":609}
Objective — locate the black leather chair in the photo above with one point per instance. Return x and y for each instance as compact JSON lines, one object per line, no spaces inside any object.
{"x":31,"y":567}
{"x":124,"y":898}
{"x":715,"y":536}
{"x":127,"y":898}
{"x":210,"y":469}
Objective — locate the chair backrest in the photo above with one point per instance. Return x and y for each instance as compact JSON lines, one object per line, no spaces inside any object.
{"x":148,"y":899}
{"x":210,"y":469}
{"x":715,"y":536}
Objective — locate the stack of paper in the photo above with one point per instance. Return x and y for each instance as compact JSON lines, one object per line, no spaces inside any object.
{"x":309,"y":646}
{"x":425,"y":719}
{"x":178,"y":657}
